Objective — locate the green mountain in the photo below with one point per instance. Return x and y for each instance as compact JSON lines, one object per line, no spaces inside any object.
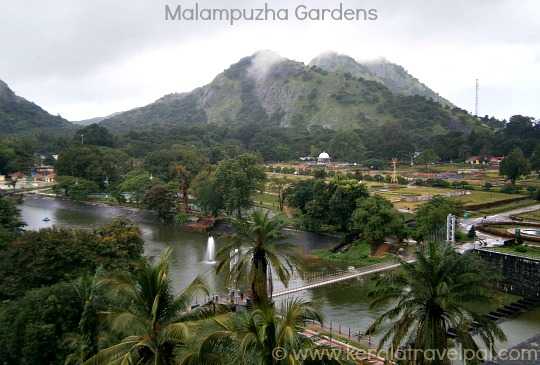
{"x":267,"y":89}
{"x":393,"y":76}
{"x":18,"y":115}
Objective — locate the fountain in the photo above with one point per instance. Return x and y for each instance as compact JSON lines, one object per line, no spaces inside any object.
{"x":210,"y":251}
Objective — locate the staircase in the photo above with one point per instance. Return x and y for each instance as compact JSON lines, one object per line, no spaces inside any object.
{"x":508,"y":311}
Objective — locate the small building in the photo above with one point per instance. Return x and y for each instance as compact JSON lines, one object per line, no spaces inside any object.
{"x":495,"y":161}
{"x":475,"y":160}
{"x":16,"y":176}
{"x":44,"y":173}
{"x":323,"y":158}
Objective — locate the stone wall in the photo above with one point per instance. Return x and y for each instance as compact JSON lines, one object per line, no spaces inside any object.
{"x":521,"y":275}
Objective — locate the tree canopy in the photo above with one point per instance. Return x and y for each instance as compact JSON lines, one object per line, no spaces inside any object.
{"x":515,"y":165}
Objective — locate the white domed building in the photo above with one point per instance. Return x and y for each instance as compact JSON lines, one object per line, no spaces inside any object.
{"x":323,"y":158}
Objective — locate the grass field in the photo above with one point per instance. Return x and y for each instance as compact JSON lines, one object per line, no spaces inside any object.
{"x":531,"y":216}
{"x":506,"y":207}
{"x":267,"y":200}
{"x":531,"y":251}
{"x":358,"y":255}
{"x":397,"y":194}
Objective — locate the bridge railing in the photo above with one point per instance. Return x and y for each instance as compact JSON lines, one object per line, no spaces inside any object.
{"x":335,"y":330}
{"x":303,"y":279}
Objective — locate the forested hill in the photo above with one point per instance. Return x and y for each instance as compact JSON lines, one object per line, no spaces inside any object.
{"x":18,"y":115}
{"x":393,"y":76}
{"x":266,"y":89}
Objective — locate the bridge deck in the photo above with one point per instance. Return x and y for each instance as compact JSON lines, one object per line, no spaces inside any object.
{"x":337,"y":277}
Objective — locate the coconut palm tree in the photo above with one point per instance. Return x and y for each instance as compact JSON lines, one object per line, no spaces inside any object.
{"x":251,"y":337}
{"x":89,"y":290}
{"x":154,"y":320}
{"x":431,"y":297}
{"x":251,"y":255}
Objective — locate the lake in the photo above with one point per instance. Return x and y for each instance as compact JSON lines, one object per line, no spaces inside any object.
{"x":344,"y":303}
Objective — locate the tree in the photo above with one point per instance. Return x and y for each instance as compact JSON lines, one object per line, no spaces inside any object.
{"x":207,"y":197}
{"x":429,"y":298}
{"x":101,"y":165}
{"x":322,"y":203}
{"x":280,"y":184}
{"x":7,"y":155}
{"x":376,"y":218}
{"x":259,"y":259}
{"x":514,"y":165}
{"x":319,"y":173}
{"x":184,"y":175}
{"x":472,"y":232}
{"x":253,"y":336}
{"x":35,"y":326}
{"x":153,"y":320}
{"x":431,"y":216}
{"x":427,"y":157}
{"x":162,"y":200}
{"x":76,"y":188}
{"x":10,"y":221}
{"x":535,"y":159}
{"x":345,"y":195}
{"x":94,"y":134}
{"x":347,"y":146}
{"x":136,"y":183}
{"x":163,"y":163}
{"x":237,"y":180}
{"x":46,"y":257}
{"x":89,"y":290}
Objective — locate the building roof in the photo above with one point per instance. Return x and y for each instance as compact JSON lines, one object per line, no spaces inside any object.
{"x":324,"y":155}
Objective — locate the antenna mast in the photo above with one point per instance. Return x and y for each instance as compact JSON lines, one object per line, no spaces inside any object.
{"x":476,"y":99}
{"x":394,"y":178}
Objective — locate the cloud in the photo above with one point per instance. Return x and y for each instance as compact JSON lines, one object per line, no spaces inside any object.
{"x":88,"y":58}
{"x":262,"y":62}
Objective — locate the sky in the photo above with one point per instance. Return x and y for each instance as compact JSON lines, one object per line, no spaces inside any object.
{"x":83,"y":59}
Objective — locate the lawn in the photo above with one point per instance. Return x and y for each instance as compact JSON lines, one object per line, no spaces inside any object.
{"x":531,"y":216}
{"x":479,"y":197}
{"x":396,"y":193}
{"x":530,"y":251}
{"x":358,"y":255}
{"x":506,"y":207}
{"x":267,"y":200}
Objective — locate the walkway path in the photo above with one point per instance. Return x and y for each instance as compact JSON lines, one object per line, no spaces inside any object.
{"x":357,"y":355}
{"x":490,"y":239}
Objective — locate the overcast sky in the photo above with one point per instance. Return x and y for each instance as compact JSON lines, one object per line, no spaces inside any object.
{"x":83,"y":59}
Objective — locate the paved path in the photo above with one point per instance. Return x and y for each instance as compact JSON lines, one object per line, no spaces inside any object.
{"x":358,"y":356}
{"x":489,"y":239}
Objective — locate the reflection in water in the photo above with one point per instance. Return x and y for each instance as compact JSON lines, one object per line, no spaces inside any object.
{"x":343,"y":303}
{"x":188,"y":248}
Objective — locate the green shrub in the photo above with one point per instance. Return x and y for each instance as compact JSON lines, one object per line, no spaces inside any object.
{"x":520,"y":248}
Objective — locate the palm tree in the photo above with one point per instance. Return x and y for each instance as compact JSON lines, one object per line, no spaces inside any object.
{"x":256,"y":263}
{"x":280,"y":184}
{"x":184,"y":176}
{"x":251,"y":337}
{"x":431,"y":297}
{"x":89,"y":289}
{"x":154,"y":320}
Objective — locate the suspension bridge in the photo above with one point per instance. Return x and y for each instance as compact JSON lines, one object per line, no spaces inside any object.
{"x":306,"y":281}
